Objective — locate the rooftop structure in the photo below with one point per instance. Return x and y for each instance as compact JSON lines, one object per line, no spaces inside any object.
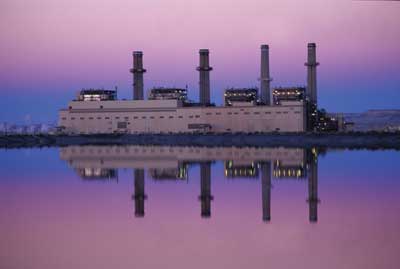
{"x":168,"y":94}
{"x":288,"y":94}
{"x":97,"y":95}
{"x":241,"y":97}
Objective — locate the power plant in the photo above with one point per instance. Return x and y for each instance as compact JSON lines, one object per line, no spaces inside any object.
{"x":168,"y":110}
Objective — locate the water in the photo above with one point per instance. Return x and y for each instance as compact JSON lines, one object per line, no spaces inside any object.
{"x":162,"y":207}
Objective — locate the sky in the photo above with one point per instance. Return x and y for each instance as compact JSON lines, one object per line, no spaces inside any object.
{"x":49,"y":49}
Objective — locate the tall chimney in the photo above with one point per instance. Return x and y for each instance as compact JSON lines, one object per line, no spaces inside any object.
{"x":265,"y":79}
{"x":204,"y":83}
{"x":312,"y":73}
{"x":137,"y":72}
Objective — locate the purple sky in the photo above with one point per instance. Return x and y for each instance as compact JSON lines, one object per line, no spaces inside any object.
{"x":49,"y":49}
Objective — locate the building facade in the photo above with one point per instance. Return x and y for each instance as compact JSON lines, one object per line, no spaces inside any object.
{"x":169,"y":116}
{"x":168,"y":111}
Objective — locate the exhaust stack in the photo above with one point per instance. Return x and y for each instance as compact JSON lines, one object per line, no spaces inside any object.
{"x":137,"y":72}
{"x":204,"y":79}
{"x":265,"y":79}
{"x":312,"y":73}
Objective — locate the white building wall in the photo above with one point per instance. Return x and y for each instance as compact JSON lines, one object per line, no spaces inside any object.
{"x":167,"y":116}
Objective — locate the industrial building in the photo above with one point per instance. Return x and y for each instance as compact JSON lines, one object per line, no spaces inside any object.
{"x":168,"y":111}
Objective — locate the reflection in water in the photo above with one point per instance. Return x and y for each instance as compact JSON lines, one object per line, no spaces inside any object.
{"x":173,"y":163}
{"x":205,"y":183}
{"x":139,"y":195}
{"x":266,"y":190}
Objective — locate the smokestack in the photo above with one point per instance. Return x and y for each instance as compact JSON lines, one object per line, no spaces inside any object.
{"x":204,"y":83}
{"x":312,"y":73}
{"x":137,"y":72}
{"x":265,"y":79}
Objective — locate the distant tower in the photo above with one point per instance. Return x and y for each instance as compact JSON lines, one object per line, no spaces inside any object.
{"x":137,"y":72}
{"x":204,"y":83}
{"x":312,"y":73}
{"x":266,"y":190}
{"x":265,"y":79}
{"x":139,"y":195}
{"x":205,"y":196}
{"x":313,"y":200}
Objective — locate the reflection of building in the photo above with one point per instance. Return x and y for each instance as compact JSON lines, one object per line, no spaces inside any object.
{"x":313,"y":200}
{"x":134,"y":156}
{"x":97,"y":173}
{"x":205,"y":186}
{"x":284,"y":169}
{"x":234,"y":169}
{"x":169,"y":173}
{"x":173,"y":163}
{"x":139,"y":195}
{"x":266,"y":190}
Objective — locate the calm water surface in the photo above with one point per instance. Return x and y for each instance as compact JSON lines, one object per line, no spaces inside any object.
{"x":176,"y":207}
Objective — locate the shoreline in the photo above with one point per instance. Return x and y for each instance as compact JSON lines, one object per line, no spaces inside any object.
{"x":371,"y":140}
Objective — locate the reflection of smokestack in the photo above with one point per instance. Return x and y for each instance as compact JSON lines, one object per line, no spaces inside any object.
{"x":139,"y":195}
{"x":137,"y":72}
{"x":265,"y":80}
{"x":313,"y":199}
{"x":266,"y":190}
{"x":312,"y":73}
{"x":205,"y":196}
{"x":204,"y":84}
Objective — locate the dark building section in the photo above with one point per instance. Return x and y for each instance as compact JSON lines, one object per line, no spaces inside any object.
{"x":205,"y":183}
{"x":160,"y":174}
{"x":97,"y":95}
{"x":266,"y":190}
{"x":328,"y":123}
{"x":282,"y":94}
{"x":244,"y":96}
{"x":139,"y":195}
{"x":138,"y":72}
{"x":312,"y":116}
{"x":281,"y":170}
{"x":313,"y":200}
{"x":241,"y":170}
{"x":168,"y":94}
{"x":204,"y":77}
